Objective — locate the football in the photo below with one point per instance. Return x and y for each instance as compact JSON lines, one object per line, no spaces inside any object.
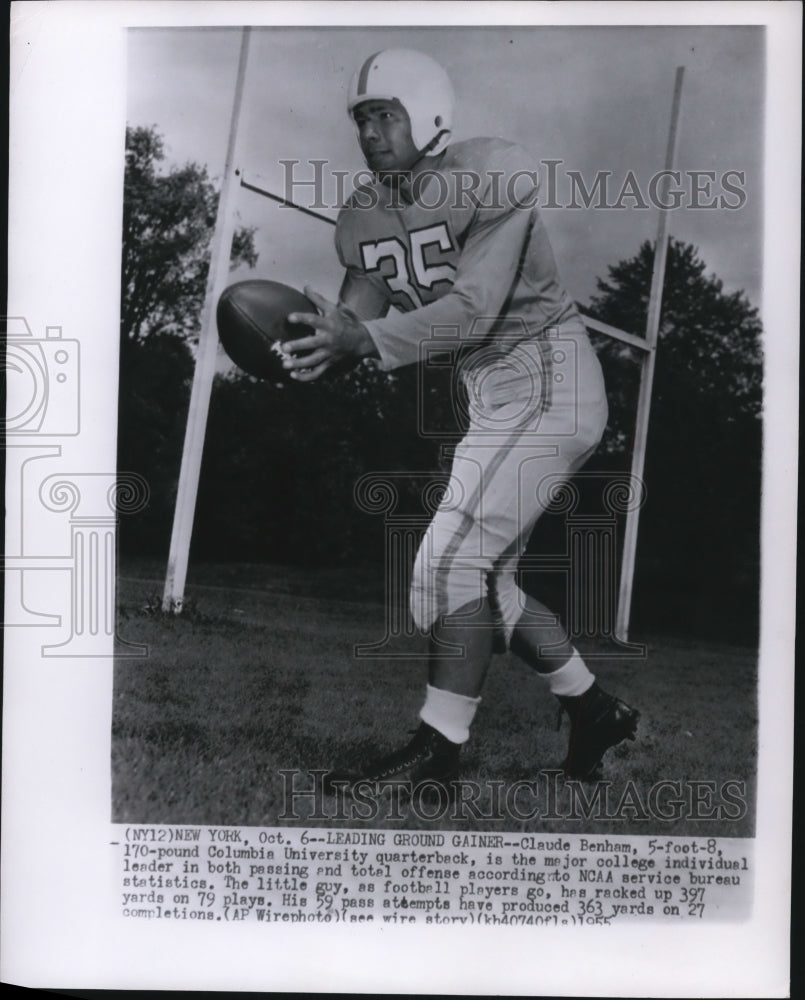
{"x":252,"y":321}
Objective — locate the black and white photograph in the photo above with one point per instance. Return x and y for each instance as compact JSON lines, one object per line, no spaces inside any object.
{"x":404,"y":510}
{"x":512,"y":468}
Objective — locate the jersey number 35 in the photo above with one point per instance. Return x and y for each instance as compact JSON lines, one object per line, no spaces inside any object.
{"x":412,"y":275}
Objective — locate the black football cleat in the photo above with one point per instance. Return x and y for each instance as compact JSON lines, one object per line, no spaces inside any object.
{"x":429,"y":760}
{"x":598,"y":722}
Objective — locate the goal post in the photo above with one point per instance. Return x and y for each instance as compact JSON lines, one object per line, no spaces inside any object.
{"x":629,"y":552}
{"x":234,"y":179}
{"x":195,"y":431}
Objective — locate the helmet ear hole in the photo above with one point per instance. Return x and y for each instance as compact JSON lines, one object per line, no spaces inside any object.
{"x":437,"y":121}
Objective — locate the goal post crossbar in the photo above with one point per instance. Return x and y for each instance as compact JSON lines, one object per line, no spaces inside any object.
{"x":615,"y":334}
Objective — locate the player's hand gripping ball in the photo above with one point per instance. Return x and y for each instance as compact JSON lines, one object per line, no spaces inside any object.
{"x":253,"y":322}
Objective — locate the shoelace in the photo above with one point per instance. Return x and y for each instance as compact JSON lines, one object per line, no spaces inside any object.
{"x":415,"y":757}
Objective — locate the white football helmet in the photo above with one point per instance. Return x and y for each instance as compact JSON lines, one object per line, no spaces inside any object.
{"x":419,"y":84}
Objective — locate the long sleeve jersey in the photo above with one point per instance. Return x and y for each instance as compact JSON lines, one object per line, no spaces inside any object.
{"x":469,"y":255}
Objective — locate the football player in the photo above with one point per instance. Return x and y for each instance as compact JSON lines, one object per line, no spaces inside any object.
{"x":450,"y":235}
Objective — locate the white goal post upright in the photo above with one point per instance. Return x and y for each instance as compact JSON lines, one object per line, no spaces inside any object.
{"x":221,"y":252}
{"x":647,"y":375}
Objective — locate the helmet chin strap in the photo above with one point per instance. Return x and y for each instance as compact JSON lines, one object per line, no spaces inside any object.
{"x":433,"y":143}
{"x":403,"y":175}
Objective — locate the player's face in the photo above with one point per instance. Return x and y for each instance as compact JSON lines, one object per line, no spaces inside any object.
{"x":384,"y":133}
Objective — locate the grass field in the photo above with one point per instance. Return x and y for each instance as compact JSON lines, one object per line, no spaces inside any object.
{"x":259,"y":675}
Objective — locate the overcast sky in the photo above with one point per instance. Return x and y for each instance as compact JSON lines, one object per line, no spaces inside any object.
{"x":595,"y":98}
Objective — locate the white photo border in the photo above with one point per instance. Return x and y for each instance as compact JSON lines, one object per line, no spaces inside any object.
{"x":60,"y":916}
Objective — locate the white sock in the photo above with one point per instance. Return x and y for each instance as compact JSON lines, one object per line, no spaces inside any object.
{"x":449,"y":713}
{"x":571,"y":679}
